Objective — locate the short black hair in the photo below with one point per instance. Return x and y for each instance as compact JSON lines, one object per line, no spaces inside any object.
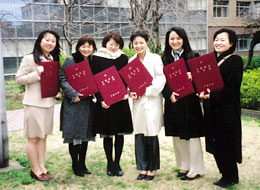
{"x":141,"y":33}
{"x":115,"y":36}
{"x":86,"y":38}
{"x":231,"y":36}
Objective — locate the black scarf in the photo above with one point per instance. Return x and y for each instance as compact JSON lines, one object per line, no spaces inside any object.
{"x":224,"y":54}
{"x":78,"y":57}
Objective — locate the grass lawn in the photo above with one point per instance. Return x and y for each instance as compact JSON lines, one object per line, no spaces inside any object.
{"x":14,"y":95}
{"x":59,"y":164}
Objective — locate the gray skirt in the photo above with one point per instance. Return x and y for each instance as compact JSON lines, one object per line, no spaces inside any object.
{"x":38,"y":121}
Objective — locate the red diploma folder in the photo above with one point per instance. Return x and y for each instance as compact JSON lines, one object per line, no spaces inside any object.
{"x":205,"y":73}
{"x":177,"y":79}
{"x":136,"y":76}
{"x":110,"y":85}
{"x":81,"y":78}
{"x":50,"y":79}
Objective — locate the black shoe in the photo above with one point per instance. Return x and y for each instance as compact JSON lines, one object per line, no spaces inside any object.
{"x":149,"y":177}
{"x":185,"y":178}
{"x":141,"y":176}
{"x":225,"y":183}
{"x":180,"y":174}
{"x":77,"y":170}
{"x":119,"y":173}
{"x":118,"y":170}
{"x":86,"y":171}
{"x":110,"y":169}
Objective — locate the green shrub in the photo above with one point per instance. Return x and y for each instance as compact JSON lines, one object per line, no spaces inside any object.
{"x":255,"y":62}
{"x":129,"y":52}
{"x":250,"y":89}
{"x":21,"y":88}
{"x":62,"y":59}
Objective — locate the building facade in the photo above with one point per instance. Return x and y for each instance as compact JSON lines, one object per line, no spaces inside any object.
{"x":233,"y":14}
{"x":22,"y":21}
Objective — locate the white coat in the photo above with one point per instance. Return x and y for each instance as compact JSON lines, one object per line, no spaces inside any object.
{"x":147,"y":112}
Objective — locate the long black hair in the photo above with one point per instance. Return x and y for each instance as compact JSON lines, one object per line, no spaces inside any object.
{"x":187,"y":53}
{"x":37,"y":50}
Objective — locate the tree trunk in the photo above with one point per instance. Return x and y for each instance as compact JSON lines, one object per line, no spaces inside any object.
{"x":156,"y":45}
{"x":4,"y":150}
{"x":255,"y":40}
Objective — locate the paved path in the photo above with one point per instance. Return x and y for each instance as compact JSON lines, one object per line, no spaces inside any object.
{"x":15,"y":118}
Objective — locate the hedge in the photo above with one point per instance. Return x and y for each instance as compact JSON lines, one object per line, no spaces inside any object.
{"x":129,"y":52}
{"x":255,"y":62}
{"x":250,"y":89}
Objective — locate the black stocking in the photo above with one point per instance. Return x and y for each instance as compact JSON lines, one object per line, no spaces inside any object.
{"x":119,"y":143}
{"x":107,"y":143}
{"x":82,"y":154}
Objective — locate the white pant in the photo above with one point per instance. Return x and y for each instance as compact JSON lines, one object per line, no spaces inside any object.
{"x":189,"y":156}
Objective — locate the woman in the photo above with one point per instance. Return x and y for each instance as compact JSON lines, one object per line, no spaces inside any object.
{"x":114,"y":120}
{"x":77,"y":115}
{"x":183,"y":117}
{"x":38,"y":111}
{"x":223,"y":111}
{"x":147,"y":110}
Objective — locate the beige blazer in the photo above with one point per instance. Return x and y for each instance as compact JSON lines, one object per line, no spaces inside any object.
{"x":28,"y":76}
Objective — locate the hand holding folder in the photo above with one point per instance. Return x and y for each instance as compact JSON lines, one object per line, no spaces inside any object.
{"x":136,"y":76}
{"x":81,"y":78}
{"x":110,"y":85}
{"x":177,"y":79}
{"x":205,"y":73}
{"x":49,"y":79}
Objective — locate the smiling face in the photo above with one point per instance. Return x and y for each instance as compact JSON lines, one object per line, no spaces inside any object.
{"x":48,"y":43}
{"x":86,"y":50}
{"x":175,"y":41}
{"x":222,"y":43}
{"x":112,"y":46}
{"x":140,"y":45}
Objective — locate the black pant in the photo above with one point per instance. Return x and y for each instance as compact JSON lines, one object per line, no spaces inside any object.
{"x":147,"y":153}
{"x":225,"y":159}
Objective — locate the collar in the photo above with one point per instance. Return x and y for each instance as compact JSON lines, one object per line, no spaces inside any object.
{"x":46,"y":58}
{"x":103,"y":52}
{"x":177,"y":54}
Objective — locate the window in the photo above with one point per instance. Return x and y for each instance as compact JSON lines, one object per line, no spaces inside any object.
{"x":11,"y":64}
{"x":243,"y":42}
{"x":24,"y":29}
{"x":197,"y":4}
{"x":242,"y":8}
{"x":257,"y":7}
{"x":221,"y":8}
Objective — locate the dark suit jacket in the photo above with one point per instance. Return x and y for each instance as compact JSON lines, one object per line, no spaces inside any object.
{"x":223,"y":110}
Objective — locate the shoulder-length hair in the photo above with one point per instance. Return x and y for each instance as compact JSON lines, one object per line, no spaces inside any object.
{"x":187,"y":53}
{"x":86,"y":38}
{"x":37,"y":50}
{"x":231,"y":36}
{"x":78,"y":57}
{"x":115,"y":36}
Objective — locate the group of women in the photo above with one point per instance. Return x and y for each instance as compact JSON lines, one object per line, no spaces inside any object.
{"x":83,"y":118}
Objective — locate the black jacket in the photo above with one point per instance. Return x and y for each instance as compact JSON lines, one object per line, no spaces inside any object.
{"x":223,"y":110}
{"x":183,"y":118}
{"x":117,"y":118}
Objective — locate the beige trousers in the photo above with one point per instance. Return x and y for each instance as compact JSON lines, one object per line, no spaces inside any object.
{"x":189,"y":155}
